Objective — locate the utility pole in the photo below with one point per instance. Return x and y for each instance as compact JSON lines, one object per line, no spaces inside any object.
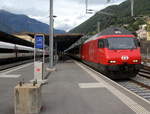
{"x":132,"y":8}
{"x":98,"y":26}
{"x":51,"y":34}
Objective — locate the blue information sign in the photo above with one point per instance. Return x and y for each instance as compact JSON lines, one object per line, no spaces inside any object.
{"x":39,"y":39}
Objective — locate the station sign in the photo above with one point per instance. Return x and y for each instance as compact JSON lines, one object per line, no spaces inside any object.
{"x":38,"y":70}
{"x":39,"y":41}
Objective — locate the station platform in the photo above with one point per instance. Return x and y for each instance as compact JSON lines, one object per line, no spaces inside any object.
{"x":74,"y":89}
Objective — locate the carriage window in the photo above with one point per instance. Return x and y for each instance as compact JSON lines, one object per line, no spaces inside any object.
{"x":101,"y":43}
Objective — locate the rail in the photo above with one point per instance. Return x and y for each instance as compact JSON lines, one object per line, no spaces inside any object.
{"x":139,"y":84}
{"x":10,"y":65}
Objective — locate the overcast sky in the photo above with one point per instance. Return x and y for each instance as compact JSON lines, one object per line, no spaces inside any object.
{"x":70,"y":13}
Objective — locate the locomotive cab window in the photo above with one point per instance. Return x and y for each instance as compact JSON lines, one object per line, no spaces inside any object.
{"x":121,"y":43}
{"x":101,"y":43}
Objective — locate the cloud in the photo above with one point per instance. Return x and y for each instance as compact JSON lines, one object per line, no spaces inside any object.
{"x":94,"y":2}
{"x":70,"y":13}
{"x":64,"y":26}
{"x":30,"y":7}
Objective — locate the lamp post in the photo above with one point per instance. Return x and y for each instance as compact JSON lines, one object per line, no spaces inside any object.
{"x":55,"y":45}
{"x":86,"y":5}
{"x":51,"y":34}
{"x":98,"y":26}
{"x":132,"y":8}
{"x":88,"y":11}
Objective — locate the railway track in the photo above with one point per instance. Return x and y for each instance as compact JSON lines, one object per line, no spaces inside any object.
{"x":10,"y":65}
{"x":145,"y":72}
{"x":139,"y":84}
{"x":17,"y":63}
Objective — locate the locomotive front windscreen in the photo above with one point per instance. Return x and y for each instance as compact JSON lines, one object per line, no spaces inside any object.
{"x":121,"y":43}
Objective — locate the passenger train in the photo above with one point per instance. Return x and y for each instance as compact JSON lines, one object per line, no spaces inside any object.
{"x":11,"y":52}
{"x":115,"y":52}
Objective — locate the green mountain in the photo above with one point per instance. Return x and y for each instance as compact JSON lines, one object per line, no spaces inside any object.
{"x":120,"y":15}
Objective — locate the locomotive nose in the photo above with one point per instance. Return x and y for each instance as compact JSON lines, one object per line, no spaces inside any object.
{"x":124,"y":56}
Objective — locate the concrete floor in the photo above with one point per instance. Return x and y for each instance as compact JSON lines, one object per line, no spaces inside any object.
{"x":70,"y":90}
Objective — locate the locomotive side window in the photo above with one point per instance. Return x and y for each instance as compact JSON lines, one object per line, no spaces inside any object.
{"x":101,"y":43}
{"x":137,"y":42}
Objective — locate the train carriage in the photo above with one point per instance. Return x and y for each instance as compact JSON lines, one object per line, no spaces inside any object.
{"x":11,"y":52}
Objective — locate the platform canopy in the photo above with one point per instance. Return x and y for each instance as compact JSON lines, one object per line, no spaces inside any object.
{"x":4,"y":37}
{"x":61,"y":41}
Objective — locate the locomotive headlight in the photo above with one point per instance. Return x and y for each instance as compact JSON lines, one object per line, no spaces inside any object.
{"x":135,"y":61}
{"x":112,"y":61}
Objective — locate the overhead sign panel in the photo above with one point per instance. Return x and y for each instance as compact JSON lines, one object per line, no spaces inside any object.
{"x":39,"y":41}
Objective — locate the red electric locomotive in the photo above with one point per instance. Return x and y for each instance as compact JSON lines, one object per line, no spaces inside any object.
{"x":115,"y":52}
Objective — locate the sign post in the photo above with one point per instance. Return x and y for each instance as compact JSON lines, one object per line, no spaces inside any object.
{"x":39,"y":50}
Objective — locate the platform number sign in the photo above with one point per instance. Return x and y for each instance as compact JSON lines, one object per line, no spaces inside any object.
{"x":39,"y":41}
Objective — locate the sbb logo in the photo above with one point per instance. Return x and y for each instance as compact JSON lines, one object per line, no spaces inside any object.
{"x":124,"y":57}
